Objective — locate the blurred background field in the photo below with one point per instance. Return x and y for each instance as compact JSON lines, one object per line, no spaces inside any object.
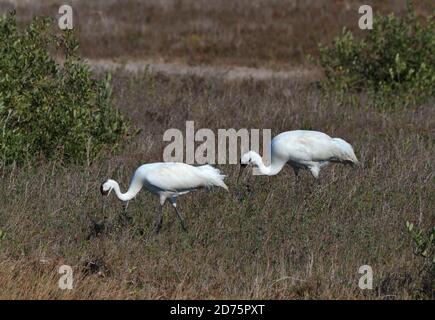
{"x":254,"y":33}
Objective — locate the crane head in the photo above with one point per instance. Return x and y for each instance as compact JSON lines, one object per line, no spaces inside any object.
{"x":105,"y":188}
{"x":246,"y":159}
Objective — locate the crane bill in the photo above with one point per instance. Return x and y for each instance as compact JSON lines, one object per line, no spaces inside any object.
{"x":352,"y":164}
{"x":241,"y":169}
{"x":104,"y":192}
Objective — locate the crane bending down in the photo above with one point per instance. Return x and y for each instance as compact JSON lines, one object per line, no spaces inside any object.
{"x":168,"y":180}
{"x":302,"y":149}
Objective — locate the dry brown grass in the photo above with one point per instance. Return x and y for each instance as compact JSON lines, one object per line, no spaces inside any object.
{"x":276,"y":241}
{"x":276,"y":33}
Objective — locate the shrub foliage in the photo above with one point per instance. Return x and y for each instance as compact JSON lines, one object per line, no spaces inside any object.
{"x":48,"y":109}
{"x":394,"y":62}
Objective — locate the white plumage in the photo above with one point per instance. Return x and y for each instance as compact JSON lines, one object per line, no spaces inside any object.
{"x":302,"y":149}
{"x":168,"y":180}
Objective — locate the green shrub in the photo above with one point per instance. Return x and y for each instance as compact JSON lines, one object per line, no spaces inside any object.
{"x":47,"y":109}
{"x":394,"y":63}
{"x":424,"y":243}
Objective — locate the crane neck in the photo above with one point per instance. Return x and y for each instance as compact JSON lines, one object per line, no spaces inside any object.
{"x":275,"y":167}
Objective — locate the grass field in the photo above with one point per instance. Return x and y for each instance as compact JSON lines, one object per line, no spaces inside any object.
{"x":272,"y":241}
{"x":267,"y":237}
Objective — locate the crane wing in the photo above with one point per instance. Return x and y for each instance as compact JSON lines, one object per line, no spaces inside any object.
{"x":310,"y":146}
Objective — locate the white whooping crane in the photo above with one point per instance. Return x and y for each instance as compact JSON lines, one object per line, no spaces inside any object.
{"x":168,"y":180}
{"x":302,"y":149}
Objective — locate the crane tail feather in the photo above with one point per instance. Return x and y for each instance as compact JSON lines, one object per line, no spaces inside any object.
{"x":214,"y":176}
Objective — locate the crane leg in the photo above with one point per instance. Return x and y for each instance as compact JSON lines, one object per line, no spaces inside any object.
{"x":315,"y":170}
{"x":125,"y":206}
{"x":180,"y":217}
{"x":159,"y":220}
